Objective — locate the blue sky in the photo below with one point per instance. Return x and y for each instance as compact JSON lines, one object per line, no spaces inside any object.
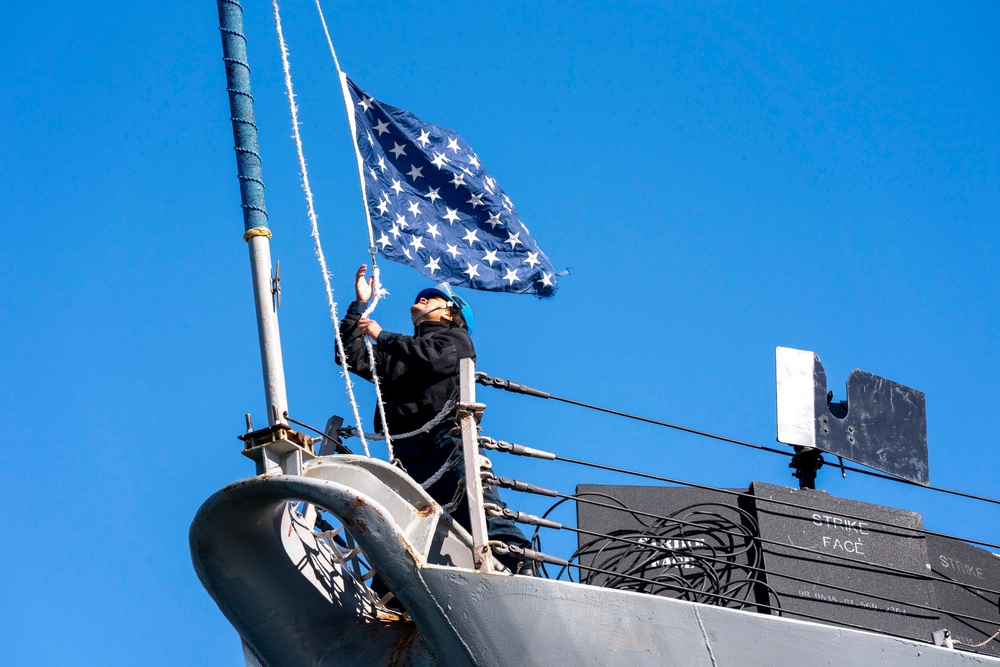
{"x":721,"y":179}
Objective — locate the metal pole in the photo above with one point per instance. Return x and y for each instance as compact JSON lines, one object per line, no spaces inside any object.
{"x":468,"y":409}
{"x":257,"y":235}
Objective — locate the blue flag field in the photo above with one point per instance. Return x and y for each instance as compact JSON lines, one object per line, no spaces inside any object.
{"x":433,"y":207}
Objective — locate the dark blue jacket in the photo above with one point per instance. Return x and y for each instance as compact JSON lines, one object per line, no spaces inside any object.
{"x":417,"y":374}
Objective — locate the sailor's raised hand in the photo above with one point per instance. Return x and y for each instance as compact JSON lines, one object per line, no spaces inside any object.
{"x":363,"y":288}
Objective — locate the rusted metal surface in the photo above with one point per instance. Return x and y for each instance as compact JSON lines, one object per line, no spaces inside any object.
{"x":405,"y":646}
{"x":273,"y":433}
{"x":291,"y":607}
{"x":278,"y":449}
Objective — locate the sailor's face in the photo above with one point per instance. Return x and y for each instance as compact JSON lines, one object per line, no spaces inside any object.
{"x":439,"y":312}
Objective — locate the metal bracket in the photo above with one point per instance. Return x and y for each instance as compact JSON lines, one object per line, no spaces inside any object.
{"x":333,"y":437}
{"x":474,"y":410}
{"x":943,"y":638}
{"x":276,"y":286}
{"x":806,"y":463}
{"x":278,"y":449}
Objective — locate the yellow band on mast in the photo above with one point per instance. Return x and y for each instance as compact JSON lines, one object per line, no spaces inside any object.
{"x":256,"y":231}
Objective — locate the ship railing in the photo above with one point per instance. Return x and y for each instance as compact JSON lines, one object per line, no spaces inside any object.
{"x":724,"y":564}
{"x":709,"y":553}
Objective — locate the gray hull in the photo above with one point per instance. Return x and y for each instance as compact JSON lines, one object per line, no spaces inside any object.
{"x":292,"y":603}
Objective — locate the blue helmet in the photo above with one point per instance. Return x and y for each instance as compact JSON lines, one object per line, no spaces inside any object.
{"x":443,"y":291}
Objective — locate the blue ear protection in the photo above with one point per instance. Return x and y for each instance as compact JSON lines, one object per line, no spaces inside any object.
{"x":443,"y":291}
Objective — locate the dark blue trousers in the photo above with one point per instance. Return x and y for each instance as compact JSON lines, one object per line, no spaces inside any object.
{"x":423,"y":456}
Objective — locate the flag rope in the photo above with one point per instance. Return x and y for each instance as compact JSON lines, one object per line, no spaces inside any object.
{"x":342,"y":79}
{"x":313,"y":221}
{"x":378,"y":291}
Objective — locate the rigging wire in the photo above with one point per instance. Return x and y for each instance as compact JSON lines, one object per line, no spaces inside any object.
{"x":499,"y":383}
{"x":952,"y":492}
{"x":516,"y":485}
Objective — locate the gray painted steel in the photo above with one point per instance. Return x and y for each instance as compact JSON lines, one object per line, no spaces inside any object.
{"x":473,"y":464}
{"x":288,"y":612}
{"x":514,"y":620}
{"x":267,"y":330}
{"x":292,"y":607}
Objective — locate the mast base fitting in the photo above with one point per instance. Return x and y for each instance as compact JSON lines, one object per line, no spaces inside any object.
{"x":277,"y":450}
{"x":806,"y":462}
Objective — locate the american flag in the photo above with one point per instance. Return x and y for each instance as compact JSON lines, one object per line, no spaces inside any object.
{"x":434,"y":207}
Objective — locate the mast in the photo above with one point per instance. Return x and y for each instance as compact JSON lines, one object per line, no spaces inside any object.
{"x":257,"y":235}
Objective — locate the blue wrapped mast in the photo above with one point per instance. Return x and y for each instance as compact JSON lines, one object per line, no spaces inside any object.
{"x":234,"y":54}
{"x":256,"y":232}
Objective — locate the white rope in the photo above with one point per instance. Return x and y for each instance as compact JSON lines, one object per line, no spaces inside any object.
{"x":349,"y":107}
{"x":304,"y":173}
{"x":438,"y":418}
{"x":377,"y":293}
{"x":378,"y":290}
{"x":449,"y":463}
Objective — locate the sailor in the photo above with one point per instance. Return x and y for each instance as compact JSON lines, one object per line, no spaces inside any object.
{"x":418,"y":375}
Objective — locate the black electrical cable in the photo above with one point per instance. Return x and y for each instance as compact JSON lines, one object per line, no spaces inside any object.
{"x":307,"y":426}
{"x":750,"y":520}
{"x":669,"y":480}
{"x":655,"y":552}
{"x":340,"y":448}
{"x":642,"y":580}
{"x":682,"y":546}
{"x":507,"y":385}
{"x":762,"y":540}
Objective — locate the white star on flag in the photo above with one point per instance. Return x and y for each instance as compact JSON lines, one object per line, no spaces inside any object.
{"x":470,"y":236}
